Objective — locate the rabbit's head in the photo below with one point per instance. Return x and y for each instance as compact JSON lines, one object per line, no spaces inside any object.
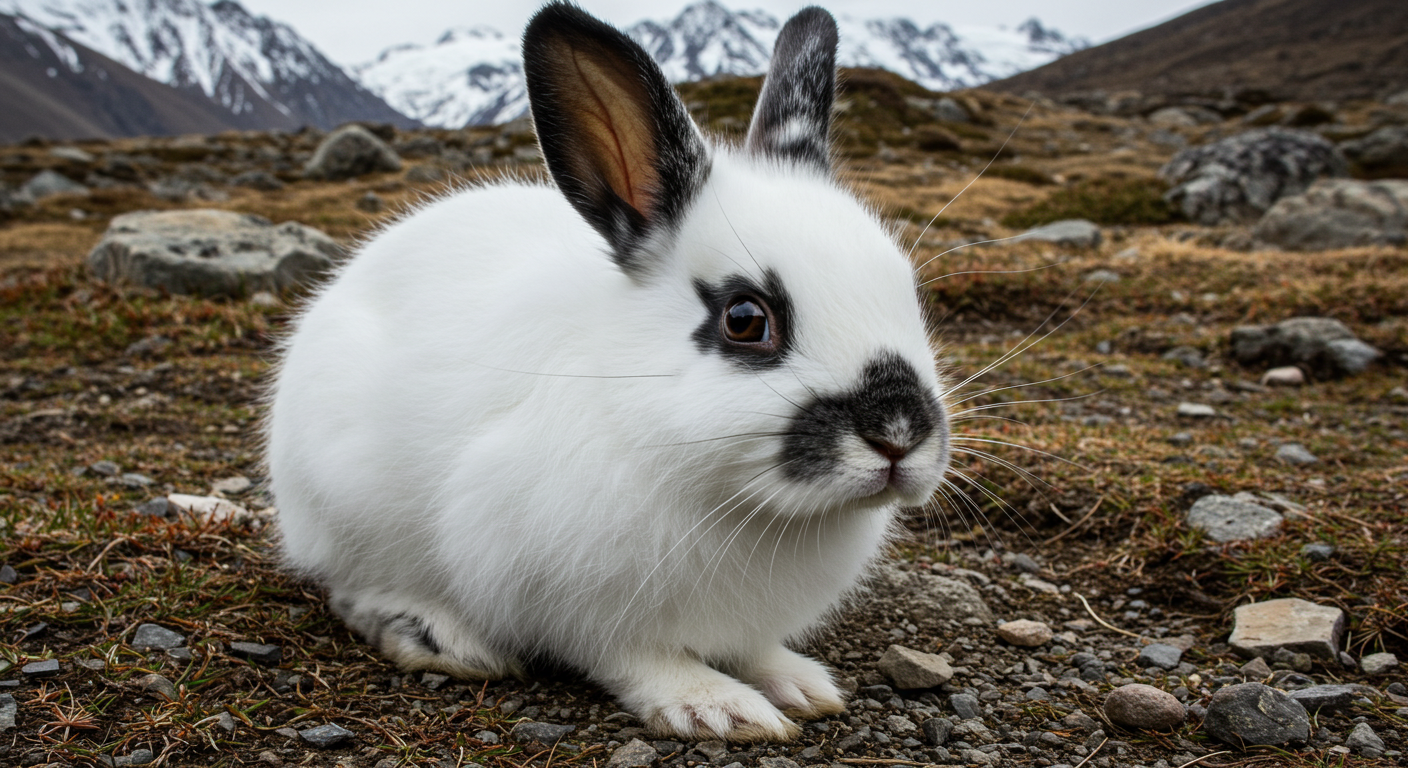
{"x":810,"y":374}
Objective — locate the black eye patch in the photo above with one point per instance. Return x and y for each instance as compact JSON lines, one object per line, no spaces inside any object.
{"x":717,"y":298}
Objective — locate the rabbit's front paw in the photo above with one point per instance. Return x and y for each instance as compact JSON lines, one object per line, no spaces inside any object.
{"x":684,"y":698}
{"x":795,"y":684}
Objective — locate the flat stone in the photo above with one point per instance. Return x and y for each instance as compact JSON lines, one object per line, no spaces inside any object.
{"x":8,"y":574}
{"x":211,"y":252}
{"x":351,"y":151}
{"x":966,"y":706}
{"x":105,"y":468}
{"x":1296,"y":454}
{"x":1025,"y":633}
{"x":900,"y":725}
{"x":1141,"y":707}
{"x":777,"y":762}
{"x":1318,"y":697}
{"x":909,"y":669}
{"x":1260,"y":629}
{"x":634,"y":754}
{"x":1285,"y":376}
{"x":159,"y":685}
{"x":1378,"y":663}
{"x":327,"y":736}
{"x":1250,"y":714}
{"x":540,"y":733}
{"x":157,"y":507}
{"x":1159,"y":655}
{"x":153,"y":637}
{"x":1196,"y":411}
{"x":1224,"y":519}
{"x":712,"y":749}
{"x":931,"y":597}
{"x":1075,"y":233}
{"x":208,"y":509}
{"x":231,"y":486}
{"x":259,"y":653}
{"x":1364,"y":741}
{"x":8,"y":710}
{"x":40,"y":669}
{"x":936,"y":730}
{"x":434,"y":681}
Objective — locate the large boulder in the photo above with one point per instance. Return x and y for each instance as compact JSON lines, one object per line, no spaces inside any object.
{"x":211,"y":252}
{"x":1237,"y":179}
{"x":1384,"y":150}
{"x":1322,"y":346}
{"x":1338,"y":213}
{"x":351,"y":151}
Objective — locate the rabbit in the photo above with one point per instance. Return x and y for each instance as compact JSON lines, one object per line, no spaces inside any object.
{"x":651,"y":422}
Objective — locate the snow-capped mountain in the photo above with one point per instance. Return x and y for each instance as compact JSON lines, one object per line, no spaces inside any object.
{"x":474,"y":76}
{"x":245,"y":63}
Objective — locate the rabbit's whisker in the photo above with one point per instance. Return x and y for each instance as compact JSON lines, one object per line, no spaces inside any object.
{"x":1028,"y":384}
{"x":986,"y":271}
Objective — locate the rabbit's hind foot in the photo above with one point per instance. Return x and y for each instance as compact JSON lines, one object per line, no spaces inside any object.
{"x":419,"y":638}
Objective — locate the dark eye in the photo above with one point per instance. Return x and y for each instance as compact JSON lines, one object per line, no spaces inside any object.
{"x":746,"y":320}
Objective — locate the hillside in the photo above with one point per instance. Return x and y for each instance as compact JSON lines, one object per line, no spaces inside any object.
{"x":84,"y":94}
{"x":1291,"y":49}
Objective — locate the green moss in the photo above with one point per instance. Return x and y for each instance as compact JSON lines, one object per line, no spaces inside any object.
{"x":1103,"y":201}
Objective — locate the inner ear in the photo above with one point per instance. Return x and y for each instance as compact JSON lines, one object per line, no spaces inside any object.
{"x":616,"y":138}
{"x":793,"y":117}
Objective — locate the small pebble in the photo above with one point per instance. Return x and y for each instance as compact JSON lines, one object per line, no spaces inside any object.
{"x":965,"y":706}
{"x":159,"y":685}
{"x":1159,"y":655}
{"x":1025,"y":633}
{"x":540,"y":733}
{"x":1295,"y":454}
{"x":1249,"y":714}
{"x":1140,"y":707}
{"x":259,"y":653}
{"x":40,"y":669}
{"x":153,"y":637}
{"x":1317,"y":552}
{"x":635,"y":754}
{"x":1378,"y":663}
{"x":327,"y":736}
{"x":1288,"y":376}
{"x":1364,"y":741}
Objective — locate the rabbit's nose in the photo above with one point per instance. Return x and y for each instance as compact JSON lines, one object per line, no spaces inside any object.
{"x":894,"y":453}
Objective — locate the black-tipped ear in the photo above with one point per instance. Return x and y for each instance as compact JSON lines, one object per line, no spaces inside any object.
{"x":616,"y":138}
{"x":793,"y":118}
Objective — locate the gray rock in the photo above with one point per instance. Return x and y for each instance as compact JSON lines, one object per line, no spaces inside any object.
{"x":105,"y":468}
{"x":1318,"y":697}
{"x":1237,"y":179}
{"x":931,"y":597}
{"x":138,"y":757}
{"x":1364,"y":741}
{"x":1321,"y":345}
{"x":1285,"y":376}
{"x":777,"y":762}
{"x":371,"y":202}
{"x":1196,"y":411}
{"x":72,"y":154}
{"x":1256,"y":669}
{"x":351,"y":151}
{"x":8,"y":710}
{"x":1225,"y":519}
{"x":260,"y":180}
{"x":951,"y":111}
{"x":1184,"y":117}
{"x":259,"y":653}
{"x":1385,"y":148}
{"x":48,"y":183}
{"x":1080,"y":721}
{"x":540,"y":733}
{"x":936,"y":730}
{"x":327,"y":736}
{"x":1159,"y":655}
{"x":1191,"y":357}
{"x":900,"y":725}
{"x":1073,"y":233}
{"x":712,"y":749}
{"x":1338,"y":213}
{"x":912,"y":670}
{"x":433,"y":681}
{"x":157,"y":507}
{"x":1317,"y":552}
{"x":1249,"y":714}
{"x":160,"y":686}
{"x":1296,"y":454}
{"x":635,"y":754}
{"x":8,"y":574}
{"x":1140,"y":706}
{"x":966,"y":706}
{"x":133,"y":480}
{"x":1260,"y":629}
{"x":152,"y":637}
{"x":231,"y":486}
{"x":1378,"y":663}
{"x":211,"y":252}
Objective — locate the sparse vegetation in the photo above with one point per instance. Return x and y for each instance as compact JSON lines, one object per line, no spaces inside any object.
{"x":1109,"y":201}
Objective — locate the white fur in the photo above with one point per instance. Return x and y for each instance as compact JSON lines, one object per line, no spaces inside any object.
{"x":484,"y":423}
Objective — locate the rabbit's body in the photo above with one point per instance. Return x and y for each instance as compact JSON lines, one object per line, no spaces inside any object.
{"x":493,"y":439}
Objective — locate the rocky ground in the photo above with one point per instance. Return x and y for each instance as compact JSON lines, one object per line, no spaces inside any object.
{"x":1155,"y":476}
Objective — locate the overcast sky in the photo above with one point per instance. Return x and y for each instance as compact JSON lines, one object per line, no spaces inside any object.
{"x":354,"y":31}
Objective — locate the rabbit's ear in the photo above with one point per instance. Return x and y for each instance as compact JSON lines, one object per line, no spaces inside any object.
{"x":617,"y":140}
{"x":793,"y":117}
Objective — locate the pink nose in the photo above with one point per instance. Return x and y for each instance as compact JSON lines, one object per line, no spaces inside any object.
{"x":893,"y":453}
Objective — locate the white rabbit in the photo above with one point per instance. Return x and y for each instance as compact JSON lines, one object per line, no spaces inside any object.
{"x":652,"y":423}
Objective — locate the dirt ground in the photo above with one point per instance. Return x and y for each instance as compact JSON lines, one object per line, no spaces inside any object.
{"x":1089,"y":475}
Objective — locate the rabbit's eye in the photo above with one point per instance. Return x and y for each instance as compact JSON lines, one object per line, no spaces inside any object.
{"x":746,"y":321}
